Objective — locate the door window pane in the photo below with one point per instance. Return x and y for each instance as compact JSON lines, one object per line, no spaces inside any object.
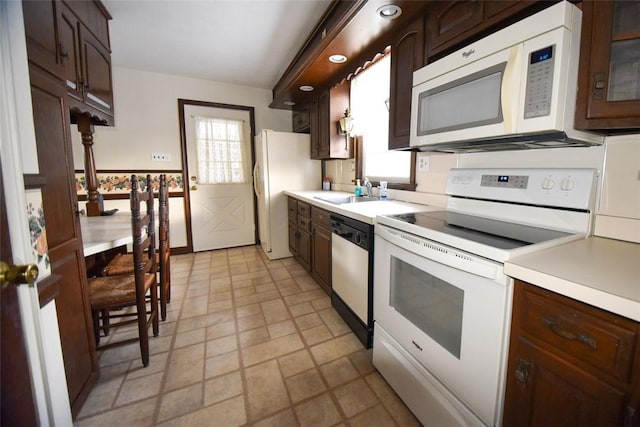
{"x":221,"y":151}
{"x":428,"y":302}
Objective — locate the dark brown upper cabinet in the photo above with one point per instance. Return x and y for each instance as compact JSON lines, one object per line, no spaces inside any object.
{"x":300,"y":120}
{"x":608,"y":97}
{"x":325,"y":112}
{"x":453,"y":23}
{"x":86,"y":59}
{"x":40,"y":31}
{"x":407,"y":55}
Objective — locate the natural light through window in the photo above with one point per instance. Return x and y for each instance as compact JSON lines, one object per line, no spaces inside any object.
{"x":369,"y":98}
{"x":221,"y":150}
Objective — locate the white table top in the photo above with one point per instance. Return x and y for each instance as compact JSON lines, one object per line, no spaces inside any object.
{"x":101,"y":233}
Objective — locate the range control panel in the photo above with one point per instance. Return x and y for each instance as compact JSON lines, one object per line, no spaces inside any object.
{"x":572,"y":188}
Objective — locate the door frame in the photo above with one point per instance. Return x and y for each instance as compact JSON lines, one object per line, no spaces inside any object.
{"x":183,"y":147}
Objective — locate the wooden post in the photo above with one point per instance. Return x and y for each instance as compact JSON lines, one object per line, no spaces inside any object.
{"x":94,"y":205}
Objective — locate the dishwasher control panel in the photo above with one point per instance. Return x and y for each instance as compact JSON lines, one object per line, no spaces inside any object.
{"x":356,"y":232}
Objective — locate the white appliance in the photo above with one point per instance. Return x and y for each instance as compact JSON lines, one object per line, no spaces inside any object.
{"x":352,"y":274}
{"x":442,"y":303}
{"x":514,"y":89}
{"x":283,"y":162}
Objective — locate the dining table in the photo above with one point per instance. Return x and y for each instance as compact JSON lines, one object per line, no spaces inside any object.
{"x":103,"y":233}
{"x":103,"y":237}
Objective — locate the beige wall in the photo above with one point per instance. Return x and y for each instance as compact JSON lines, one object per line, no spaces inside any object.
{"x":146,"y":121}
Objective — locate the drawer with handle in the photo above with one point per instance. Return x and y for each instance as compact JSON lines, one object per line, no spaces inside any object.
{"x":601,"y":339}
{"x":320,"y":217}
{"x":304,"y":209}
{"x":304,"y":223}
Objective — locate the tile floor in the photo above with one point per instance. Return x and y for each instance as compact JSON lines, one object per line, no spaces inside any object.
{"x":247,"y":342}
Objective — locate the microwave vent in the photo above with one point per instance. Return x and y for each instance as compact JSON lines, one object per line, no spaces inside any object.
{"x":507,"y":143}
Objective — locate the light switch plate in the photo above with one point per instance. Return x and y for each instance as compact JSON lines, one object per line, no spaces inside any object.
{"x":160,"y":157}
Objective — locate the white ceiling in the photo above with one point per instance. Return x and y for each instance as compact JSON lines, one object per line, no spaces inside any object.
{"x":245,"y":42}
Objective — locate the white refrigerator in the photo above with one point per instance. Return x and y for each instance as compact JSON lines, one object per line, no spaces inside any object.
{"x":282,"y":163}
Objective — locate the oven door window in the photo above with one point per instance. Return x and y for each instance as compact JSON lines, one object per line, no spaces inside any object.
{"x":431,"y":304}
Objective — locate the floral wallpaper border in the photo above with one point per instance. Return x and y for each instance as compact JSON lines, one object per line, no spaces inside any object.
{"x":121,"y":183}
{"x":38,"y":231}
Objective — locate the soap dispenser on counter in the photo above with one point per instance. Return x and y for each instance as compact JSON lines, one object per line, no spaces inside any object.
{"x":358,"y":190}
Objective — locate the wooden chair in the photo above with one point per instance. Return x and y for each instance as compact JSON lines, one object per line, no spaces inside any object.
{"x":123,"y":263}
{"x":111,"y":293}
{"x":165,"y":247}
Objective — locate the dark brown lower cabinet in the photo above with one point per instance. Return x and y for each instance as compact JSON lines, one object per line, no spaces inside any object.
{"x":300,"y":232}
{"x":321,"y":247}
{"x":570,"y":364}
{"x":55,"y":160}
{"x":310,"y":240}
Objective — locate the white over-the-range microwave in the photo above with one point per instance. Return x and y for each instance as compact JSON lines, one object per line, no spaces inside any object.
{"x":514,"y":89}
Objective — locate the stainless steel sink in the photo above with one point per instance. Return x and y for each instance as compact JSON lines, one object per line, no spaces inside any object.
{"x":343,"y":200}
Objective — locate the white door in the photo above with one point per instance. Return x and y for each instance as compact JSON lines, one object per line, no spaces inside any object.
{"x":222,"y":214}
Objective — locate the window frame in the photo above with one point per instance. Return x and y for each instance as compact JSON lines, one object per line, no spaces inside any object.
{"x":359,"y":143}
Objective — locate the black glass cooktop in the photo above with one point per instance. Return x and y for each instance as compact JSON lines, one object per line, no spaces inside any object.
{"x":490,"y":232}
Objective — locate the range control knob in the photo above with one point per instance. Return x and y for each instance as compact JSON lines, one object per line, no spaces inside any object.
{"x":568,"y":184}
{"x":548,"y":183}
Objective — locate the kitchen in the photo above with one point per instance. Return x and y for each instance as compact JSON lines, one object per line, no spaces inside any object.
{"x":131,"y":87}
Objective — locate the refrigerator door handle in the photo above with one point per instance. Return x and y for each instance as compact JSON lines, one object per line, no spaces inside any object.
{"x":255,"y":179}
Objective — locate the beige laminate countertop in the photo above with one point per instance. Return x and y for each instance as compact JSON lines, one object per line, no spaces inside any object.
{"x":362,"y":211}
{"x":598,"y":271}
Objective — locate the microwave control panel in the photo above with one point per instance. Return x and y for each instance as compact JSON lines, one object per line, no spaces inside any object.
{"x":539,"y":83}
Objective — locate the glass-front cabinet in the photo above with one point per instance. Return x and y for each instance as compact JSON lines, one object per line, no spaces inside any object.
{"x":609,"y":75}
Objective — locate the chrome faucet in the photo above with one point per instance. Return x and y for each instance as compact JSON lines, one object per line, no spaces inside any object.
{"x":368,"y":186}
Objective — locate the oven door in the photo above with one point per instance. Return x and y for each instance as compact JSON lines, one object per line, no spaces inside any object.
{"x":449,"y":310}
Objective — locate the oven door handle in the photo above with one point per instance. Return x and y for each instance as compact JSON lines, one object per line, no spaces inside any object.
{"x":439,"y":253}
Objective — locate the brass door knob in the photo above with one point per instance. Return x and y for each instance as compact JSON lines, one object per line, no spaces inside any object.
{"x":194,"y":187}
{"x":18,"y":274}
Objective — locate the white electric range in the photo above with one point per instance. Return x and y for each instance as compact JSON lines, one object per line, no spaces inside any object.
{"x":442,"y":303}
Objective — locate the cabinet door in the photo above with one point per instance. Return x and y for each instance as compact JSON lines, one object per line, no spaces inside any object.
{"x":96,"y":72}
{"x":544,"y":390}
{"x":293,"y":238}
{"x":449,"y":20}
{"x":304,"y":249}
{"x":55,"y":159}
{"x":300,"y":118}
{"x":324,"y":144}
{"x":340,"y":146}
{"x":609,"y":76}
{"x":407,"y":55}
{"x":314,"y":129}
{"x":40,"y":32}
{"x":321,"y":269}
{"x":68,"y":36}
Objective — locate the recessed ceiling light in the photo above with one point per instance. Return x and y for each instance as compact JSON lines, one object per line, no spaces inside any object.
{"x":389,"y":11}
{"x":306,"y":88}
{"x":289,"y":103}
{"x":338,"y":59}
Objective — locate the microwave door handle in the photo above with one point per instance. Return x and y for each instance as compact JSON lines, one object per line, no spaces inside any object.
{"x":508,"y":99}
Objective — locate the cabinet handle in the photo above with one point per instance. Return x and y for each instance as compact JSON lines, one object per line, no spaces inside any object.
{"x":522,"y":372}
{"x":599,"y":84}
{"x":63,"y":53}
{"x":582,"y":338}
{"x":630,"y":413}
